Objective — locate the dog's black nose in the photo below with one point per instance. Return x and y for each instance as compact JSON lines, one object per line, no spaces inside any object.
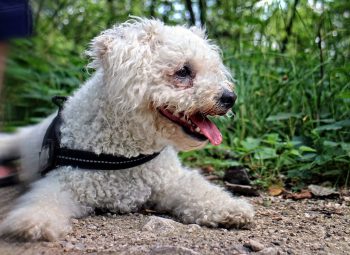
{"x":227,"y":99}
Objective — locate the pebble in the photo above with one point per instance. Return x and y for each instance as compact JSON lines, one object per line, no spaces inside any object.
{"x":269,"y":251}
{"x":193,"y":228}
{"x":92,"y":226}
{"x":159,"y":224}
{"x":73,"y":240}
{"x":75,"y":221}
{"x":49,"y":244}
{"x":254,"y":245}
{"x":172,"y":250}
{"x":79,"y":246}
{"x":322,"y":191}
{"x":239,"y":250}
{"x":68,"y":247}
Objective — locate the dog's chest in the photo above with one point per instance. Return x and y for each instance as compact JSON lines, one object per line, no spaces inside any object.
{"x":120,"y":191}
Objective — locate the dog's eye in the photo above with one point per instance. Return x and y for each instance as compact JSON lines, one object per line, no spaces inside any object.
{"x":184,"y":72}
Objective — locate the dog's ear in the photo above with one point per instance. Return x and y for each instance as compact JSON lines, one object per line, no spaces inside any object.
{"x":125,"y":53}
{"x":149,"y":31}
{"x":99,"y":47}
{"x":199,"y":31}
{"x":121,"y":37}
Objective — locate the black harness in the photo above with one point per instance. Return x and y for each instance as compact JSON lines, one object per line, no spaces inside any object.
{"x":53,"y":156}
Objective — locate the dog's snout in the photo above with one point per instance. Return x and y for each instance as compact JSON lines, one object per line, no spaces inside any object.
{"x":227,"y":99}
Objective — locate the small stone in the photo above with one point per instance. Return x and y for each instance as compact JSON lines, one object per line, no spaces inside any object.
{"x":193,"y":228}
{"x":278,"y":243}
{"x":346,"y":199}
{"x":267,"y":202}
{"x":271,"y":231}
{"x":49,"y":244}
{"x":269,"y":251}
{"x":239,"y":250}
{"x":75,"y":221}
{"x":73,"y":240}
{"x":158,"y":224}
{"x":172,"y":250}
{"x":68,"y":247}
{"x":237,"y":175}
{"x":245,"y":190}
{"x":79,"y":246}
{"x":92,"y":227}
{"x":254,"y":245}
{"x":320,"y":191}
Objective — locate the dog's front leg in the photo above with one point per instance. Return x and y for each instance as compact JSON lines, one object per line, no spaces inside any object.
{"x":43,"y":213}
{"x":194,"y":200}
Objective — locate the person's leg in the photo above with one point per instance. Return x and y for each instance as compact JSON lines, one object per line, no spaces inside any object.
{"x":3,"y":53}
{"x":7,"y":174}
{"x":15,"y":22}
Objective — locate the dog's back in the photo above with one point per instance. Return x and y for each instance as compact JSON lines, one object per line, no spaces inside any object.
{"x":25,"y":145}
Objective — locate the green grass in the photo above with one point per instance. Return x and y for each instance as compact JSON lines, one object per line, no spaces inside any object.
{"x":282,"y":132}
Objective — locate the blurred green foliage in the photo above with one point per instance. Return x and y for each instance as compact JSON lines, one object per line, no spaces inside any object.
{"x":290,"y":60}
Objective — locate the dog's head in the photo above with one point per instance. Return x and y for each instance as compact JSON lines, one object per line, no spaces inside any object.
{"x":171,"y":77}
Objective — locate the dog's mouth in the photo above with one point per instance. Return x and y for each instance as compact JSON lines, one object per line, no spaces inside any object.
{"x":197,"y":125}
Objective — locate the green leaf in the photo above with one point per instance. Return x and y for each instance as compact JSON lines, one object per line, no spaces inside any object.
{"x":304,"y":148}
{"x":345,"y":146}
{"x":328,"y":143}
{"x":218,"y":163}
{"x":308,"y":157}
{"x":265,"y":153}
{"x":283,"y":116}
{"x":328,"y":127}
{"x":335,"y":126}
{"x":295,"y":152}
{"x":344,"y":95}
{"x":271,"y":138}
{"x":250,"y":143}
{"x":332,"y":172}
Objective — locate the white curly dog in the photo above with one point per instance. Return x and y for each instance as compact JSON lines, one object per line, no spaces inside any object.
{"x":152,"y":91}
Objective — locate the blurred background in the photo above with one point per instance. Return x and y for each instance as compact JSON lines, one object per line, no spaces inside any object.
{"x":290,"y":59}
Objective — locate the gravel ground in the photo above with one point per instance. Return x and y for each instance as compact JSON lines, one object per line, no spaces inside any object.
{"x":282,"y":226}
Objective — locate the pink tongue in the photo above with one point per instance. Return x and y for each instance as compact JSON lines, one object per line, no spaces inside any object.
{"x":207,"y":128}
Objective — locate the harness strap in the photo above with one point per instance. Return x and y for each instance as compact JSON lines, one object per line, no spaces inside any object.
{"x":90,"y":160}
{"x":53,"y":156}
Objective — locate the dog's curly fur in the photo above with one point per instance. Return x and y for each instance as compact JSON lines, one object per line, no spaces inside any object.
{"x":116,"y":112}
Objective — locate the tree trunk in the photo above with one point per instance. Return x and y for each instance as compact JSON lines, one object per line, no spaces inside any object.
{"x":152,"y":7}
{"x":202,"y":11}
{"x":289,"y":27}
{"x":191,"y":12}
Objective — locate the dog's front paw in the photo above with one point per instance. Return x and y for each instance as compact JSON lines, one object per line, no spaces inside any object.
{"x":236,"y":213}
{"x":236,"y":220}
{"x":240,"y":214}
{"x":25,"y":224}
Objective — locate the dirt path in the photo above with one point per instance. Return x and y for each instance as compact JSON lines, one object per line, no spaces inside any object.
{"x":282,"y":227}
